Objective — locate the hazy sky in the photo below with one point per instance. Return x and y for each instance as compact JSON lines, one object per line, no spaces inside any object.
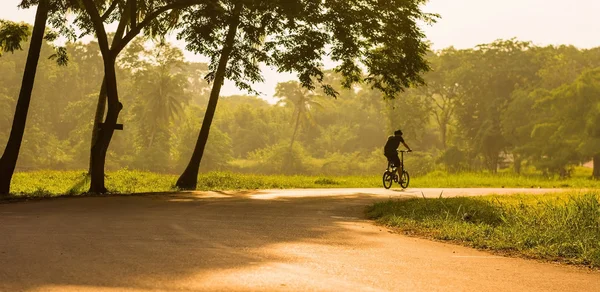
{"x":464,"y":24}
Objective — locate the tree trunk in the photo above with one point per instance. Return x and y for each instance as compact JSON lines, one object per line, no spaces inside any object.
{"x":295,"y":130}
{"x":596,"y":171}
{"x":189,"y":178}
{"x":8,"y":161}
{"x":563,"y":173}
{"x":100,"y":107}
{"x":106,"y":131}
{"x":102,"y":96}
{"x":517,"y":160}
{"x":153,"y":133}
{"x":443,"y":132}
{"x":492,"y":164}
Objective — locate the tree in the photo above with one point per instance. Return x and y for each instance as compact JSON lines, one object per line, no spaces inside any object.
{"x":250,"y":121}
{"x":518,"y":122}
{"x":488,"y":78}
{"x":572,"y":116}
{"x":11,"y":36}
{"x":442,"y":89}
{"x":292,"y":36}
{"x":410,"y":113}
{"x":8,"y":161}
{"x":528,"y":109}
{"x":152,"y":17}
{"x":161,"y":88}
{"x":189,"y":178}
{"x":159,"y":101}
{"x":293,"y":95}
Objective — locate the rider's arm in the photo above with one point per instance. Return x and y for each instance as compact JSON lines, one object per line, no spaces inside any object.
{"x":407,"y":147}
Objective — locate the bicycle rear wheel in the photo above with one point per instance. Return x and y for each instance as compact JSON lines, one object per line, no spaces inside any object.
{"x":388,"y":179}
{"x":404,"y":180}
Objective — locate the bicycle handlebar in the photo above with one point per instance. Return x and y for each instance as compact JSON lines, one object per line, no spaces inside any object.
{"x":404,"y":151}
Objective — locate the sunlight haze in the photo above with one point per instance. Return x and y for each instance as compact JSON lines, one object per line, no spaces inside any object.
{"x":463,"y":24}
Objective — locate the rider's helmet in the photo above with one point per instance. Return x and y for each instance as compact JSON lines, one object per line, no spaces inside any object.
{"x":398,"y":133}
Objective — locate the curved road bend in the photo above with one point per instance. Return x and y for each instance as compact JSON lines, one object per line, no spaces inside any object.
{"x":281,"y":240}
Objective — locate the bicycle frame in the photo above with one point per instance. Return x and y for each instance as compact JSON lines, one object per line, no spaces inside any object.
{"x":401,"y":166}
{"x":391,"y":174}
{"x":402,"y":160}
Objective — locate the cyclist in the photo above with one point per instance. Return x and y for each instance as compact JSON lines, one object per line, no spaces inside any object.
{"x":391,"y":148}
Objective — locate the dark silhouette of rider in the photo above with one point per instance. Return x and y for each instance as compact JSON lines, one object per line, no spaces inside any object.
{"x":391,"y":148}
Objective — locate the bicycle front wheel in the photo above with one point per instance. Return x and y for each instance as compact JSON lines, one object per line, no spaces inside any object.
{"x":404,"y":180}
{"x":388,"y":178}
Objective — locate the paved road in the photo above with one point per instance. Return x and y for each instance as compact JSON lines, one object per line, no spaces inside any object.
{"x":294,"y":240}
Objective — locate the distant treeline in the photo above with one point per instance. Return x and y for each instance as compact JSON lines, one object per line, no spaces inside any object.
{"x":499,"y":105}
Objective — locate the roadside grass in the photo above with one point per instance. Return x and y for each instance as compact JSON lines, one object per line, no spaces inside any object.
{"x":58,"y":183}
{"x":555,"y":227}
{"x":439,"y":179}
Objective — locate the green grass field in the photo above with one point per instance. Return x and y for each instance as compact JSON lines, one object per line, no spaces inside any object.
{"x":55,"y":183}
{"x":556,"y":227}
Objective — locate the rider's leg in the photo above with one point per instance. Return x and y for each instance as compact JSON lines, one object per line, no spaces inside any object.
{"x":390,"y":159}
{"x":396,"y":162}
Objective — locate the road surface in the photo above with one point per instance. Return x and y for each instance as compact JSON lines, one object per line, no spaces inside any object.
{"x":284,"y":240}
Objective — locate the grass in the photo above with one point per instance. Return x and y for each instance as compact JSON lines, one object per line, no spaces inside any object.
{"x":55,"y":183}
{"x":555,"y":227}
{"x":438,"y":179}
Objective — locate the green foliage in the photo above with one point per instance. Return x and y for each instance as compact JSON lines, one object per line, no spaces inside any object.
{"x":293,"y":35}
{"x":12,"y":35}
{"x":496,"y":70}
{"x":565,"y":133}
{"x":281,"y":159}
{"x":218,"y":151}
{"x":562,"y":227}
{"x":326,"y":181}
{"x":293,"y":95}
{"x":530,"y":117}
{"x":6,"y":112}
{"x":453,"y":159}
{"x":60,"y":56}
{"x":419,"y":163}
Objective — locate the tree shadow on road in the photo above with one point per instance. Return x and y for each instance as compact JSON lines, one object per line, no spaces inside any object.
{"x":177,"y":241}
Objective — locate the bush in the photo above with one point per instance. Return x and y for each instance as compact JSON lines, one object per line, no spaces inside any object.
{"x":419,"y":163}
{"x":280,"y":159}
{"x":454,"y":159}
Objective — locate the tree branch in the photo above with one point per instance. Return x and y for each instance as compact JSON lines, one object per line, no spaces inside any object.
{"x":152,"y":16}
{"x":440,"y":106}
{"x":91,"y":9}
{"x":436,"y":102}
{"x":109,"y":10}
{"x":121,"y":27}
{"x":133,"y":14}
{"x":450,"y":112}
{"x":438,"y":119}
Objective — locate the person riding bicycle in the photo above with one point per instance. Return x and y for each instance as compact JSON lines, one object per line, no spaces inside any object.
{"x":391,"y":148}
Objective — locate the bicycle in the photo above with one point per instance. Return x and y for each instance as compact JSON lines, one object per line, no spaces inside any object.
{"x":391,"y":174}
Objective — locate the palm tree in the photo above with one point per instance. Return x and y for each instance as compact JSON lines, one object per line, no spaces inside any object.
{"x":292,"y":94}
{"x":162,"y":89}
